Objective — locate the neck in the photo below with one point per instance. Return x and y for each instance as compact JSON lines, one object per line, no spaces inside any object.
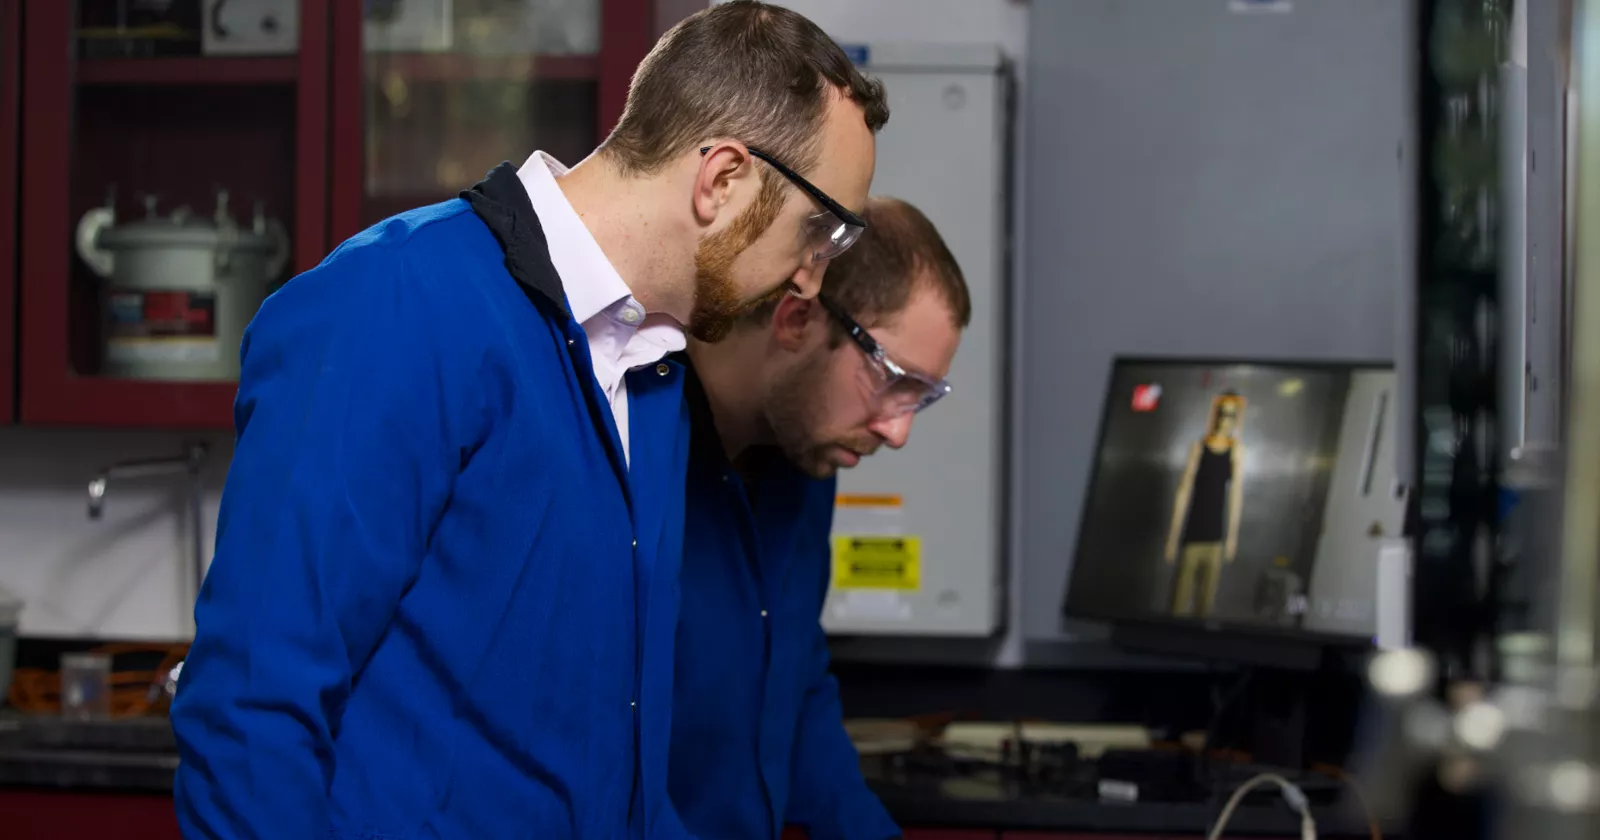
{"x":735,"y":388}
{"x":631,"y":218}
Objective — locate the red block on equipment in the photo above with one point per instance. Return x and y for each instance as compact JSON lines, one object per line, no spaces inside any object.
{"x":1146,"y":397}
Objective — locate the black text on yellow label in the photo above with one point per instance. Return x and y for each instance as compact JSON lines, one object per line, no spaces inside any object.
{"x":871,"y":562}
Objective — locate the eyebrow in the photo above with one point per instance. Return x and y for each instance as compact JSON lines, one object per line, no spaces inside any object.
{"x":899,"y":359}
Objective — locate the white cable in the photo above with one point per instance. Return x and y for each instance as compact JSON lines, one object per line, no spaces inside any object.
{"x":1292,"y":794}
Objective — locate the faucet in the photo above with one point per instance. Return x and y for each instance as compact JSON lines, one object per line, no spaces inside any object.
{"x":191,"y":462}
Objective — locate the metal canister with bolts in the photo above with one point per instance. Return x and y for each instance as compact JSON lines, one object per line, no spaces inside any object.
{"x":179,"y":289}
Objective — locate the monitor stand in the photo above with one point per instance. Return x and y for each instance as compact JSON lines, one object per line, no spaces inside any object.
{"x":1277,"y":733}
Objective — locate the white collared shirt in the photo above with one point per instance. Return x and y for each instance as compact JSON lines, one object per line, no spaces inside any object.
{"x":622,"y":335}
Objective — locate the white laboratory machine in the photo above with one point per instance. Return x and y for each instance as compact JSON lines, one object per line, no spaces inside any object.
{"x":918,"y":534}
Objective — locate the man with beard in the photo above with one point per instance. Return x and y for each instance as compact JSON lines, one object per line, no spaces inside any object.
{"x":445,"y":583}
{"x":799,"y":389}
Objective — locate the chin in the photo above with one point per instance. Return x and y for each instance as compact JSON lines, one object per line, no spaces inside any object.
{"x":820,"y":470}
{"x":815,"y":464}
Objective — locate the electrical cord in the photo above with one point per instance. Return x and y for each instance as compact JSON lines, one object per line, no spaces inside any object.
{"x":1292,"y":794}
{"x":1361,"y":798}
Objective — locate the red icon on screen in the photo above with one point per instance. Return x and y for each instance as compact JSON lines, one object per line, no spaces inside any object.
{"x":1146,"y":397}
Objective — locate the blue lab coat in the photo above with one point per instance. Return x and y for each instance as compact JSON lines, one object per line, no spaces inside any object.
{"x":442,"y":604}
{"x":757,"y":735}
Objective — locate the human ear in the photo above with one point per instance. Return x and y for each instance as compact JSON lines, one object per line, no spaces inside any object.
{"x":723,"y":166}
{"x":793,"y":321}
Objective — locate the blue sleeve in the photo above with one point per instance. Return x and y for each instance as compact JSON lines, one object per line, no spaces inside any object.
{"x":354,"y":413}
{"x":827,"y":794}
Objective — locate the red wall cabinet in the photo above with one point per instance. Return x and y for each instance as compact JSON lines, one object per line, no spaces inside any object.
{"x":361,"y":121}
{"x":1032,"y":835}
{"x":88,"y":815}
{"x":1036,"y":835}
{"x":178,"y":128}
{"x":10,"y":67}
{"x":792,"y":833}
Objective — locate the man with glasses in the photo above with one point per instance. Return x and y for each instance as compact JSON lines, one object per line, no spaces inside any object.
{"x":445,"y":586}
{"x":799,"y":389}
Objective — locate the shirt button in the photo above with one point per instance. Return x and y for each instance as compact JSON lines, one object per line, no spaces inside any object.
{"x":631,"y":315}
{"x":662,"y":369}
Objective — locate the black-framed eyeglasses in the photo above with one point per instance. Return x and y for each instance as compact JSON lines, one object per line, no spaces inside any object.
{"x":900,"y":391}
{"x":830,"y":232}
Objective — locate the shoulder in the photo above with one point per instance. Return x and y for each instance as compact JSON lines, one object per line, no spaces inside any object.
{"x":388,"y":254}
{"x":434,"y":271}
{"x":419,"y":228}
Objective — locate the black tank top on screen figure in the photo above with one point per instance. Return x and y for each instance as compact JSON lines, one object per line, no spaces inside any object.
{"x":1208,"y":501}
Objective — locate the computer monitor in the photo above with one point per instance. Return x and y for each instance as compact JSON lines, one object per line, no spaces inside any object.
{"x":1250,"y":499}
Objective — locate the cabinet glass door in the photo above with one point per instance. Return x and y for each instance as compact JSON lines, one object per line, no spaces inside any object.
{"x":450,"y":88}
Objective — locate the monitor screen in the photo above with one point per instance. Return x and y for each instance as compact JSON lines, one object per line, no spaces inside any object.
{"x":1249,"y":496}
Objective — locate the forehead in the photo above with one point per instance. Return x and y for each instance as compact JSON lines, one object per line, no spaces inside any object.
{"x":845,"y":160}
{"x":923,"y":337}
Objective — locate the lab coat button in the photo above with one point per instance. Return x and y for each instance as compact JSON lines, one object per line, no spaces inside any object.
{"x":763,"y":613}
{"x":662,"y":369}
{"x":635,"y":543}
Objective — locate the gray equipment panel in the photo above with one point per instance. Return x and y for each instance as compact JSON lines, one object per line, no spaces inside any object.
{"x":1199,"y":183}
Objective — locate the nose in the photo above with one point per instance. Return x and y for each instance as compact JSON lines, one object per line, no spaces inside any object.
{"x":807,"y":279}
{"x":895,"y":430}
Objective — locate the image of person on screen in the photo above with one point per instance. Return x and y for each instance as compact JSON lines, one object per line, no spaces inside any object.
{"x":1204,"y":534}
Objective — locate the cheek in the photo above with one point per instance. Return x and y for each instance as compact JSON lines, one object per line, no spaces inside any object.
{"x":842,"y":397}
{"x":758,"y":263}
{"x":781,"y":243}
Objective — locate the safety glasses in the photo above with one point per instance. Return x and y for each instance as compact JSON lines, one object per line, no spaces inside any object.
{"x":830,"y":232}
{"x":900,"y":391}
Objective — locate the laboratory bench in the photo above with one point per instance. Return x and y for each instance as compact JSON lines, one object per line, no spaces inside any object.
{"x":82,"y":779}
{"x":70,"y":780}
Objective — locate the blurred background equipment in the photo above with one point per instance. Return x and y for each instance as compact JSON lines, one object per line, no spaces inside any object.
{"x":180,"y":288}
{"x":10,"y":613}
{"x":1488,"y":728}
{"x":249,"y":27}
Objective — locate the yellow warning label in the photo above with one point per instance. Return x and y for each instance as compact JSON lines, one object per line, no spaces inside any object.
{"x":866,"y":562}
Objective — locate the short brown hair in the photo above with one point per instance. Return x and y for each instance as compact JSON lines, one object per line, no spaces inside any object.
{"x":900,"y":248}
{"x":744,"y":70}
